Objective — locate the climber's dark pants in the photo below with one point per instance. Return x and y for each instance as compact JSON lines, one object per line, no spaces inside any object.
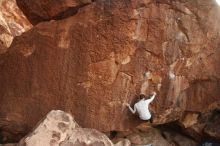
{"x":152,"y":116}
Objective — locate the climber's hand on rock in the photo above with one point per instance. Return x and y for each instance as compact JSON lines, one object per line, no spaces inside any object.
{"x":154,"y":93}
{"x":127,"y":104}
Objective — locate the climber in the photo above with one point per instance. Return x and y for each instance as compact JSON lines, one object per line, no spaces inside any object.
{"x":142,"y":107}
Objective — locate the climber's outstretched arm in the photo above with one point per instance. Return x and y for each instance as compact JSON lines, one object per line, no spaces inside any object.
{"x":132,"y":110}
{"x":152,"y":98}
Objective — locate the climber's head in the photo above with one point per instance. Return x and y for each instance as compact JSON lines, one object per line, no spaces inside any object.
{"x":142,"y":96}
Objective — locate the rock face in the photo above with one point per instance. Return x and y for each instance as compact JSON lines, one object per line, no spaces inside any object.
{"x":12,"y":23}
{"x":59,"y":129}
{"x":95,"y":61}
{"x":44,"y":10}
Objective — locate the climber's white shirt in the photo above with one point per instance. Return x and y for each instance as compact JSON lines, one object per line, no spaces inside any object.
{"x":142,"y":108}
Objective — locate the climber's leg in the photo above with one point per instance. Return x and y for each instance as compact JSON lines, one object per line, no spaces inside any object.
{"x":152,"y":116}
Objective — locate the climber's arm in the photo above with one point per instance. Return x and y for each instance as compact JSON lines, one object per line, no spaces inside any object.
{"x":132,"y":110}
{"x":152,"y":98}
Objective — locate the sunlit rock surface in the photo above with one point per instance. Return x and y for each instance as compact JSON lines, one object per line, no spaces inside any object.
{"x":109,"y":52}
{"x":87,"y":137}
{"x":12,"y":23}
{"x":60,"y":129}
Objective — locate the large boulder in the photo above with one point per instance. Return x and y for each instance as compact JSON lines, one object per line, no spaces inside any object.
{"x":87,"y":137}
{"x":44,"y":10}
{"x":94,"y":62}
{"x":148,"y":136}
{"x":56,"y":127}
{"x":12,"y":23}
{"x":60,"y":129}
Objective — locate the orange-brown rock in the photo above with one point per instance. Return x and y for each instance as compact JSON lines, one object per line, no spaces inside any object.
{"x":8,"y":145}
{"x":150,"y":136}
{"x":12,"y":23}
{"x":95,"y":61}
{"x":44,"y":10}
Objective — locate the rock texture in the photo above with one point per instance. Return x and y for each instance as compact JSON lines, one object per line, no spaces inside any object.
{"x":178,"y":139}
{"x":150,"y":136}
{"x":87,"y":137}
{"x":12,"y":23}
{"x":95,"y":61}
{"x":44,"y":10}
{"x":8,"y":144}
{"x":54,"y":129}
{"x":59,"y":129}
{"x":207,"y":125}
{"x":212,"y":129}
{"x":123,"y":142}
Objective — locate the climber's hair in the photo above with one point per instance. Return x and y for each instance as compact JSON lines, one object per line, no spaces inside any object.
{"x":141,"y":96}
